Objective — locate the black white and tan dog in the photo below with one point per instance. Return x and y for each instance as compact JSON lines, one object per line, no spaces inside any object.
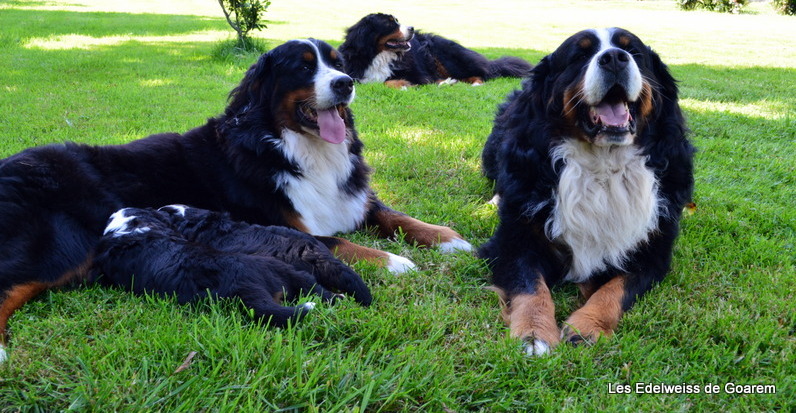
{"x":592,"y":170}
{"x":285,"y":152}
{"x":379,"y":49}
{"x":192,"y":253}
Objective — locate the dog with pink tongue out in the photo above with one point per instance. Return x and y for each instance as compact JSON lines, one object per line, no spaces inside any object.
{"x":326,"y":182}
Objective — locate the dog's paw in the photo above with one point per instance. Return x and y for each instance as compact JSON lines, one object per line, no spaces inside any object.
{"x":455,"y":245}
{"x":309,"y":306}
{"x":3,"y":354}
{"x":495,"y":200}
{"x":535,"y":347}
{"x":447,"y":82}
{"x":578,"y":336}
{"x":399,"y":265}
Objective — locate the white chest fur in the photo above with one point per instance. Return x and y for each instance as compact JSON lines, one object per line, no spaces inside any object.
{"x":606,"y":204}
{"x":317,"y":193}
{"x":380,"y":69}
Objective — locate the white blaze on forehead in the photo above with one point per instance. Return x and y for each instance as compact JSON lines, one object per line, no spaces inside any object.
{"x":324,"y":75}
{"x":595,"y":86}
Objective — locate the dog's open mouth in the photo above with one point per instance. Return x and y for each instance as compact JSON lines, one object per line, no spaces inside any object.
{"x":328,"y":123}
{"x":612,"y":121}
{"x":398,"y":45}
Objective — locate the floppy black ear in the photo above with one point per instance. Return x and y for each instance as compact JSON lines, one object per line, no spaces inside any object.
{"x":539,"y":84}
{"x":666,"y":82}
{"x":249,"y":116}
{"x":250,"y":92}
{"x":667,"y":111}
{"x":359,"y":48}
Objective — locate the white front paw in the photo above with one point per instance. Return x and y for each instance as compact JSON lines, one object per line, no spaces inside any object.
{"x":399,"y":265}
{"x":536,"y":348}
{"x":455,"y":245}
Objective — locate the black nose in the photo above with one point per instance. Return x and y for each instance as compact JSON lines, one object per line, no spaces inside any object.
{"x":614,"y":60}
{"x":410,"y":29}
{"x":343,"y":85}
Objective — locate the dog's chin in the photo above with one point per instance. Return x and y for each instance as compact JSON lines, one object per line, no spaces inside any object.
{"x":613,"y":138}
{"x":609,"y":135}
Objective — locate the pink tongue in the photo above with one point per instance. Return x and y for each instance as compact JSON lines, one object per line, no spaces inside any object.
{"x":331,"y":125}
{"x":612,"y":114}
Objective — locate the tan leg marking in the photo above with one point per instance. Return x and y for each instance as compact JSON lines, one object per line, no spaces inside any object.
{"x":350,"y":252}
{"x":475,"y":80}
{"x":15,"y":298}
{"x":397,"y":83}
{"x":531,"y":316}
{"x":20,"y":294}
{"x":600,"y":315}
{"x":416,"y":231}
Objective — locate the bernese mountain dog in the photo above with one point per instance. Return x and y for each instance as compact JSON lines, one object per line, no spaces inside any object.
{"x":592,"y":170}
{"x":379,"y":49}
{"x":284,"y":152}
{"x":192,"y":253}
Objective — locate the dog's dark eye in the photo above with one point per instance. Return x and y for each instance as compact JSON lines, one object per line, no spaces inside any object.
{"x":306,"y":68}
{"x":338,"y":65}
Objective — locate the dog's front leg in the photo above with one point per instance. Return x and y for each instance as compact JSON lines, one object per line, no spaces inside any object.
{"x":599,"y":316}
{"x":350,"y":253}
{"x":390,"y":222}
{"x":530,"y":316}
{"x":609,"y":300}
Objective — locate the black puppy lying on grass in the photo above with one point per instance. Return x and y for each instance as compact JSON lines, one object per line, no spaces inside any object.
{"x":192,"y":252}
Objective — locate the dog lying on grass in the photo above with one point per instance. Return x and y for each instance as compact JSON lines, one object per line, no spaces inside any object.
{"x":192,"y":253}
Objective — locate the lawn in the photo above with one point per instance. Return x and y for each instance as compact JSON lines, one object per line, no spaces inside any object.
{"x":88,"y":71}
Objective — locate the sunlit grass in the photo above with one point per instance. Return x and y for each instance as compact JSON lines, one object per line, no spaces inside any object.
{"x":76,"y":41}
{"x":770,"y":110}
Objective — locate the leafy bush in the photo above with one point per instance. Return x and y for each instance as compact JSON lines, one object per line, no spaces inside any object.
{"x":784,"y":6}
{"x":244,"y":16}
{"x":725,"y":6}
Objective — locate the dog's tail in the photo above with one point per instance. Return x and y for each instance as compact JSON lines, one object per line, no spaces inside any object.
{"x":508,"y":66}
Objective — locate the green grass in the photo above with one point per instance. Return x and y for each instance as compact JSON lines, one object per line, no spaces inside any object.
{"x":103,"y":73}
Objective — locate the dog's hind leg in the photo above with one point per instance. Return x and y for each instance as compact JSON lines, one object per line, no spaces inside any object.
{"x":13,"y":299}
{"x":278,"y":315}
{"x":306,"y":253}
{"x":262,"y":283}
{"x":17,"y":295}
{"x":337,"y":276}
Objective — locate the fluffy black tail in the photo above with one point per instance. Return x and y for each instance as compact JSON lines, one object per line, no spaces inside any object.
{"x":508,"y":66}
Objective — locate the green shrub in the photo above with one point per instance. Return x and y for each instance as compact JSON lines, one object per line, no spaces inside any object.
{"x":725,"y":6}
{"x":785,"y":6}
{"x":244,"y":16}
